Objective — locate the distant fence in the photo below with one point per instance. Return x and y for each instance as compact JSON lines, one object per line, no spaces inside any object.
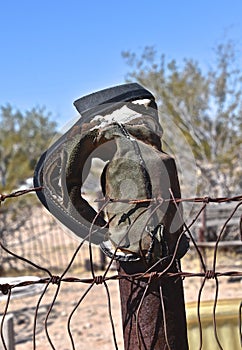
{"x":33,"y":233}
{"x":212,"y":220}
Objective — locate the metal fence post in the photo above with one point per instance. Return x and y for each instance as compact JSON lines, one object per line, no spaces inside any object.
{"x":145,"y":325}
{"x":8,"y":333}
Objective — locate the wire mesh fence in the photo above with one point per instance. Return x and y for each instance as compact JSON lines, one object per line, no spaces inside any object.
{"x":33,"y":233}
{"x":80,"y":303}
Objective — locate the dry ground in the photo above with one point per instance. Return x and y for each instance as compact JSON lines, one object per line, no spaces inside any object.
{"x":90,"y":325}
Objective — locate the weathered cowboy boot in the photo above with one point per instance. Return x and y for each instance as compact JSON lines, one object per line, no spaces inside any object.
{"x":119,"y":126}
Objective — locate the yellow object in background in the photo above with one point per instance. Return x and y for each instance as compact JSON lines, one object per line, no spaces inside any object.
{"x":227,"y":324}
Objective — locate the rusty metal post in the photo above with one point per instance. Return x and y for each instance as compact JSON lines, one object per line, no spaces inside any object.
{"x":145,"y":326}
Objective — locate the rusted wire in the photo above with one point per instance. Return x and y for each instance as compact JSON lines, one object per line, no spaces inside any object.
{"x":110,"y":315}
{"x":3,"y":318}
{"x":214,"y":313}
{"x":148,"y":275}
{"x":15,"y":194}
{"x":49,"y":311}
{"x":138,"y":310}
{"x":100,"y":279}
{"x":176,"y":200}
{"x":36,"y":314}
{"x":164,"y":317}
{"x":198,"y":313}
{"x":90,"y":234}
{"x":188,"y":230}
{"x":73,"y":311}
{"x":221,"y":233}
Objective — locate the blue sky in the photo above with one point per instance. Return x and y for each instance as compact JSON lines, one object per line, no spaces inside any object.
{"x":53,"y":52}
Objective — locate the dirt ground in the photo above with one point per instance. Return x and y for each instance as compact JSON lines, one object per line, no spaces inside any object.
{"x":90,"y":325}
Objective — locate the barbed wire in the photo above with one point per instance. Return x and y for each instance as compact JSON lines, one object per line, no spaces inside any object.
{"x":19,"y":193}
{"x":205,"y":199}
{"x":147,"y":276}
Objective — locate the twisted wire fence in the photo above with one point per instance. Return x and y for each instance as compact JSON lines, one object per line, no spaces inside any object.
{"x":73,"y":280}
